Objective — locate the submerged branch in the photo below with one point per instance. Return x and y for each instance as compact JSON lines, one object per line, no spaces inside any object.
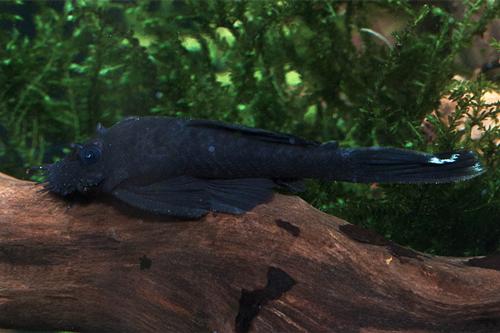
{"x":283,"y":267}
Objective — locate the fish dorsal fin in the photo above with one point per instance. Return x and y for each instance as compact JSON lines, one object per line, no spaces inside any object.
{"x":189,"y":197}
{"x":259,"y":134}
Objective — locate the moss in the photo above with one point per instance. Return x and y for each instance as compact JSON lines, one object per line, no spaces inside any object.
{"x":315,"y":68}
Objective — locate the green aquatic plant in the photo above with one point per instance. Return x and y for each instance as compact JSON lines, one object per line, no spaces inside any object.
{"x":318,"y":69}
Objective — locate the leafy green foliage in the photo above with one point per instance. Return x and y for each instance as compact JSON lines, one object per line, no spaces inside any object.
{"x":290,"y":66}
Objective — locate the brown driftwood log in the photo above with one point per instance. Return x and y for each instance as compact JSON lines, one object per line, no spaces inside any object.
{"x":283,"y":267}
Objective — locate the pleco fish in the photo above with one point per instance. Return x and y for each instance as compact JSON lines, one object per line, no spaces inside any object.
{"x":186,"y":168}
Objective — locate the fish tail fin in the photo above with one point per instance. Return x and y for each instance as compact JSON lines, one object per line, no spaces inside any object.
{"x":393,"y":165}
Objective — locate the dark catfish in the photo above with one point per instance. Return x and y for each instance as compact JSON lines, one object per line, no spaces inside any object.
{"x":186,"y":168}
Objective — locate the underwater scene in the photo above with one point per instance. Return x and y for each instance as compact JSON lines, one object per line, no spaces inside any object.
{"x":383,"y":114}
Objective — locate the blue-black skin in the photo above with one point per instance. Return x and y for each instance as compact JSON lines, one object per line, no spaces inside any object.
{"x":187,"y":168}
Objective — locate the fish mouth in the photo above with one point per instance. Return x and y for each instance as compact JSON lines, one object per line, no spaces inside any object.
{"x":60,"y":179}
{"x":66,"y":177}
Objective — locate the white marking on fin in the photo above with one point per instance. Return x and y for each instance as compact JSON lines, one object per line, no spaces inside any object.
{"x":435,"y":160}
{"x":477,"y":167}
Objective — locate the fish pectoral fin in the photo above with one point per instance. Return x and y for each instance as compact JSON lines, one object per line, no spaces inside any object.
{"x":189,"y":197}
{"x":239,"y":195}
{"x":177,"y":197}
{"x":257,"y":133}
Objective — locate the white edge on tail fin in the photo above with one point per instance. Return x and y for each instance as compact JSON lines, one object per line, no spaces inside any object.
{"x":435,"y":160}
{"x":478,"y":168}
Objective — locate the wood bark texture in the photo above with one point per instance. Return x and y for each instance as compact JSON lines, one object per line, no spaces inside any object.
{"x":283,"y":267}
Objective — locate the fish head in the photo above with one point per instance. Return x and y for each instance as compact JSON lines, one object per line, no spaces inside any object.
{"x":80,"y":171}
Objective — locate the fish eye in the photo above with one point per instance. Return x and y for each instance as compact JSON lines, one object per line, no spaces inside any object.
{"x":90,"y":154}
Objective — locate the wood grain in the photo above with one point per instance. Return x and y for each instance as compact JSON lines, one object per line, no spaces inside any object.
{"x":283,"y":267}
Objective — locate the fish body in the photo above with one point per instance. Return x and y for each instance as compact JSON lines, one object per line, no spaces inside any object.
{"x":187,"y":168}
